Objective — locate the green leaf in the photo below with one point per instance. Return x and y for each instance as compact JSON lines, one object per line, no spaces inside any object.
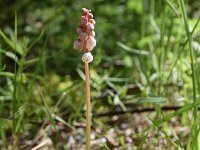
{"x":36,"y":40}
{"x":136,"y":5}
{"x":172,"y":7}
{"x":3,"y":67}
{"x":58,"y":118}
{"x":117,"y":101}
{"x":132,"y":50}
{"x":12,"y":44}
{"x":98,"y":57}
{"x":177,"y":112}
{"x":10,"y":55}
{"x":157,"y":100}
{"x":7,"y":74}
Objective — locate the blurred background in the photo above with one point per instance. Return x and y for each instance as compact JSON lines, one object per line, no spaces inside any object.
{"x":141,"y":64}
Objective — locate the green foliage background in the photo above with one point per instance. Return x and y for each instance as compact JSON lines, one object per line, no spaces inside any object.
{"x":140,"y":43}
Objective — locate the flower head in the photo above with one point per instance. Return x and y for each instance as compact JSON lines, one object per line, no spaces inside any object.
{"x":85,"y":32}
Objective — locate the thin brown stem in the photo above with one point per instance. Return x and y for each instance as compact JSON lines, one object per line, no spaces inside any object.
{"x":87,"y":79}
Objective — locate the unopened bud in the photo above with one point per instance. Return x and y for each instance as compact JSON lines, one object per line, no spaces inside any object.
{"x":90,"y":15}
{"x":90,"y":27}
{"x":84,"y":10}
{"x":87,"y":57}
{"x":83,"y":36}
{"x":90,"y":43}
{"x":92,"y":34}
{"x":83,"y":21}
{"x":78,"y":30}
{"x":92,"y":21}
{"x":78,"y":44}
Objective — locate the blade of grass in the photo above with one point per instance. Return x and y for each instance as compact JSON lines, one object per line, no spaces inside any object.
{"x":49,"y":114}
{"x":178,"y":112}
{"x":171,"y":6}
{"x":182,"y":50}
{"x":12,"y":44}
{"x":14,"y":101}
{"x":132,"y":50}
{"x":1,"y":67}
{"x":168,"y":138}
{"x":29,"y":92}
{"x":10,"y":55}
{"x":36,"y":40}
{"x":27,"y":99}
{"x":192,"y":58}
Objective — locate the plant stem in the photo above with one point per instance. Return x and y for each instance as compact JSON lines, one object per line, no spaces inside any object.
{"x":87,"y":79}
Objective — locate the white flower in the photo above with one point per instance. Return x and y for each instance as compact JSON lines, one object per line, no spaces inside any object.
{"x":87,"y":57}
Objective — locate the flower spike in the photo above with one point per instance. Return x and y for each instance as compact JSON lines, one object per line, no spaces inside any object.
{"x":86,"y":42}
{"x":86,"y":35}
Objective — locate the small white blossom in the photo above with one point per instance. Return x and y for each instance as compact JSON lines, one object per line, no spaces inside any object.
{"x":87,"y":57}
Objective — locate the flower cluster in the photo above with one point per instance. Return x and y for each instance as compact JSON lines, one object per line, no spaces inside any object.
{"x":86,"y":34}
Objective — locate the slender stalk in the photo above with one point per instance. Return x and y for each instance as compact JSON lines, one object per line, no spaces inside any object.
{"x":87,"y":79}
{"x":14,"y":101}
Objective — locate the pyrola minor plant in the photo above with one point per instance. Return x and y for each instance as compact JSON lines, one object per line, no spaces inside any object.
{"x":86,"y":42}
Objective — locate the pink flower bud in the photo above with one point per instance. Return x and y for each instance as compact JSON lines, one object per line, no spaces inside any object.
{"x":90,"y":43}
{"x":90,"y":15}
{"x":84,"y":10}
{"x":92,"y":21}
{"x":85,"y":32}
{"x":89,"y":27}
{"x":83,"y":21}
{"x":78,"y":44}
{"x":87,"y":57}
{"x":92,"y":34}
{"x":83,"y":36}
{"x":78,"y":30}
